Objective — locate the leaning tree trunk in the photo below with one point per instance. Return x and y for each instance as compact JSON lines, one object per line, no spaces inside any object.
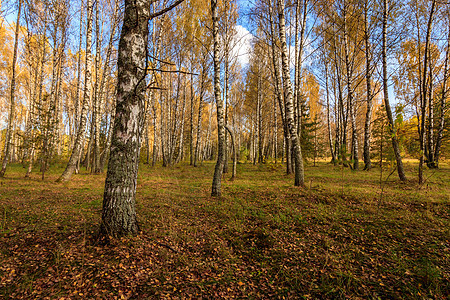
{"x":217,"y":179}
{"x":77,"y":148}
{"x":392,"y":129}
{"x":299,"y":171}
{"x":12,"y":106}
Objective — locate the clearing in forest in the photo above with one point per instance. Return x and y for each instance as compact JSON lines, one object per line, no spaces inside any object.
{"x":345,"y":236}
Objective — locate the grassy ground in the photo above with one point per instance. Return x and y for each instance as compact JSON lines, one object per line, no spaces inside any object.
{"x":347,"y":235}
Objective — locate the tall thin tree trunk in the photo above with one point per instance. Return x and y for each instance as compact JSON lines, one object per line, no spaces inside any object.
{"x":199,"y":119}
{"x":392,"y":129}
{"x":40,"y":117}
{"x":97,"y":104}
{"x":424,"y":91}
{"x":430,"y":135}
{"x":367,"y":123}
{"x":233,"y":142}
{"x":183,"y":110}
{"x":259,"y":121}
{"x":275,"y":132}
{"x":155,"y":130}
{"x":299,"y":44}
{"x":191,"y":123}
{"x":31,"y":120}
{"x":147,"y":131}
{"x":342,"y":120}
{"x":217,"y":179}
{"x":299,"y":171}
{"x":37,"y":100}
{"x":443,"y":99}
{"x":174,"y":124}
{"x":77,"y":149}
{"x":77,"y":96}
{"x":226,"y":90}
{"x":30,"y":116}
{"x":208,"y":143}
{"x":12,"y":106}
{"x":47,"y":142}
{"x":336,"y":121}
{"x":59,"y":125}
{"x":351,"y":104}
{"x":330,"y":138}
{"x":162,"y":129}
{"x":278,"y":89}
{"x":109,"y":137}
{"x":104,"y":77}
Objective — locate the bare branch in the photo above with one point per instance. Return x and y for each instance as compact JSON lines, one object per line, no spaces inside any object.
{"x":167,"y":9}
{"x":172,"y":71}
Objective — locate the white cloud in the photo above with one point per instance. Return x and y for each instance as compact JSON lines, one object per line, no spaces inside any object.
{"x":242,"y":49}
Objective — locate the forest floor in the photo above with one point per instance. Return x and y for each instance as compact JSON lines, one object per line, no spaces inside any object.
{"x":346,"y":235}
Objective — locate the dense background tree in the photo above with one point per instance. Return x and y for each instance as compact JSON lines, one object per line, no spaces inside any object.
{"x":12,"y":102}
{"x":66,"y":82}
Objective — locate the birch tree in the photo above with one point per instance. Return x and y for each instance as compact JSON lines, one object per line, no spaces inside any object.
{"x":392,"y":128}
{"x":119,"y":199}
{"x":12,"y":101}
{"x":217,"y":179}
{"x":299,"y":171}
{"x":77,"y":148}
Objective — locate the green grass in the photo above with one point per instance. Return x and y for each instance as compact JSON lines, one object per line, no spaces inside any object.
{"x":346,"y":235}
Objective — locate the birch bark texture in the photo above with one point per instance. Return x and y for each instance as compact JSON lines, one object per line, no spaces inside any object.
{"x":368,"y":59}
{"x":217,"y":179}
{"x":299,"y":170}
{"x":119,"y":198}
{"x":12,"y":106}
{"x":278,"y":86}
{"x":424,"y":91}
